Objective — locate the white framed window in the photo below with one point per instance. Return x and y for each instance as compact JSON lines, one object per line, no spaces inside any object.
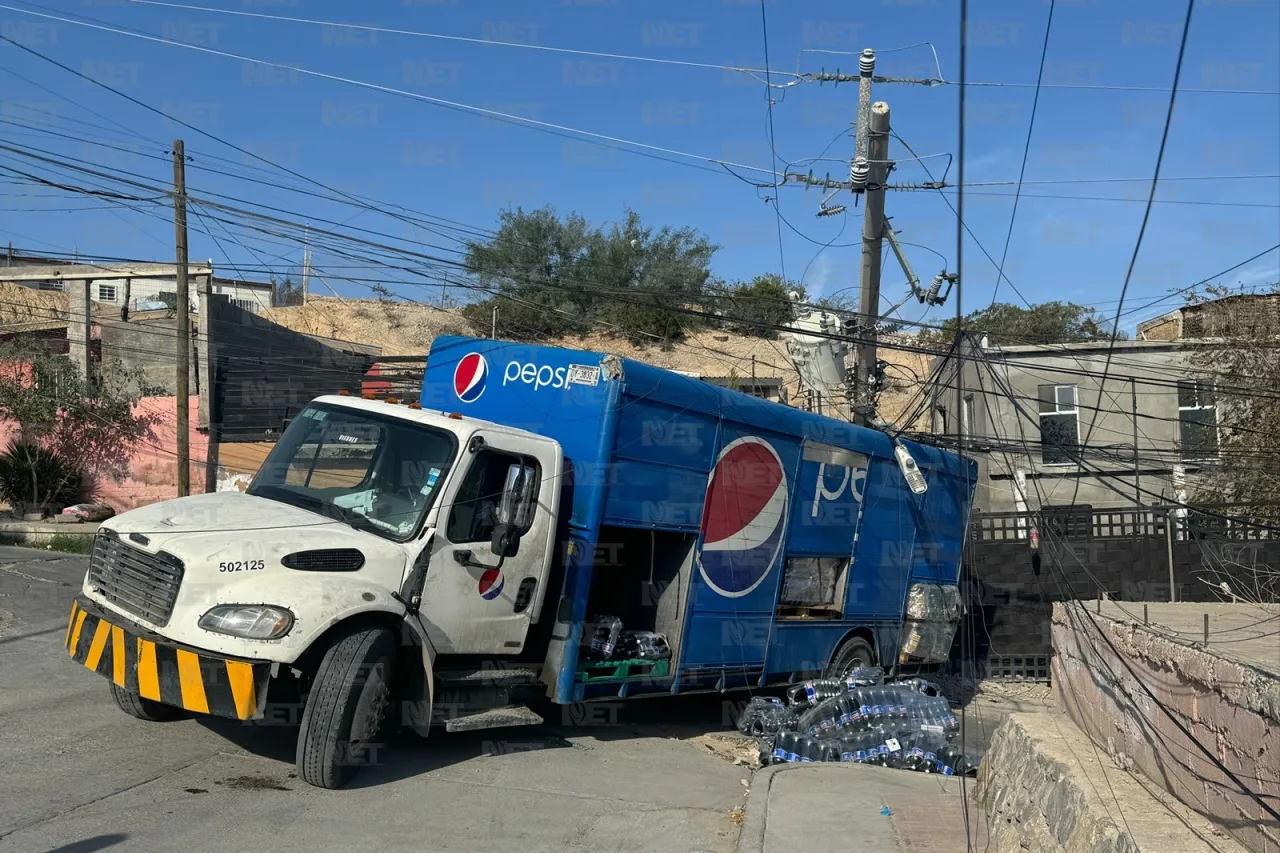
{"x":966,"y":415}
{"x":246,"y":304}
{"x":1059,"y":424}
{"x":1197,"y":420}
{"x":106,"y":293}
{"x":939,"y":420}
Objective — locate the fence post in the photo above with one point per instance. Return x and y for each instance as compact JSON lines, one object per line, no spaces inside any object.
{"x":1168,"y":535}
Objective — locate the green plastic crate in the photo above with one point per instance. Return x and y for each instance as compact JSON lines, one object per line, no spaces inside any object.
{"x":622,"y":670}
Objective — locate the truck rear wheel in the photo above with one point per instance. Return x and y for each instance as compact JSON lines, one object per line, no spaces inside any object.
{"x":345,"y":707}
{"x":853,"y":653}
{"x":143,"y":709}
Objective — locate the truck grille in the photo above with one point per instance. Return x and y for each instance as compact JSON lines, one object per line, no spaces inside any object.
{"x":144,"y":584}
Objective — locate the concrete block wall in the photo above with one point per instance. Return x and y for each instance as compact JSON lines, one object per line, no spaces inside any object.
{"x":146,"y":345}
{"x":1232,"y":709}
{"x":1017,"y":591}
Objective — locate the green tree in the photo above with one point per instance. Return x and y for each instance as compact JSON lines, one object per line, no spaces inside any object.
{"x":1235,"y":358}
{"x":555,"y":276}
{"x":758,"y":306}
{"x":92,"y":426}
{"x":1045,"y":323}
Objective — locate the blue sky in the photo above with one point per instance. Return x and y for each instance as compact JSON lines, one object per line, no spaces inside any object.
{"x":466,"y":167}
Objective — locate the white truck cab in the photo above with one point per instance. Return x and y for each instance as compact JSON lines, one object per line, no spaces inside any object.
{"x":375,"y":534}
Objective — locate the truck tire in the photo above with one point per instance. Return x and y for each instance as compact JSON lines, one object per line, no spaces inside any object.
{"x":345,"y":706}
{"x":855,"y":651}
{"x":143,"y":709}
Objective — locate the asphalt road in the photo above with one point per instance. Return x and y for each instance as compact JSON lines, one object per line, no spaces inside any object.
{"x":81,"y":776}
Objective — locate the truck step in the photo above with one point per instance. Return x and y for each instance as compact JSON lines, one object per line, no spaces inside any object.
{"x":494,"y":718}
{"x":621,"y":670}
{"x":486,"y":675}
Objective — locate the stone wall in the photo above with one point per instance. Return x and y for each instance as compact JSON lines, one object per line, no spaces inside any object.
{"x":1044,"y":789}
{"x":1232,"y":709}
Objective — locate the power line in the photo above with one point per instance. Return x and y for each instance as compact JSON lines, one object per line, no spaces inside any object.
{"x":1026,"y":152}
{"x":773,"y":145}
{"x":470,"y":40}
{"x":1146,"y":215}
{"x":593,"y":137}
{"x":962,"y":223}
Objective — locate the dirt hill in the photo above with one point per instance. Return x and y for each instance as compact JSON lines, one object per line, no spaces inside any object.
{"x":23,"y":309}
{"x":408,"y":328}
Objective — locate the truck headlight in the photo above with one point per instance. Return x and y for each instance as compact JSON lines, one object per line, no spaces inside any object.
{"x":250,"y":621}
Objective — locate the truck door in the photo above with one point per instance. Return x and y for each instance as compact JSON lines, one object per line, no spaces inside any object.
{"x":473,"y":601}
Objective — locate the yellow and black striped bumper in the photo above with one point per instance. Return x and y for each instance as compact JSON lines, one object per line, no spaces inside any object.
{"x":165,"y":672}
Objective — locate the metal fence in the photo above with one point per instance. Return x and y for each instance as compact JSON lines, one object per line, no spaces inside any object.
{"x":1244,"y":522}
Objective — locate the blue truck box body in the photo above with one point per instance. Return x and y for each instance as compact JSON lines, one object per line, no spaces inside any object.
{"x":757,"y":483}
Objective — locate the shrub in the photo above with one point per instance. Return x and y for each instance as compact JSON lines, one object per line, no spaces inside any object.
{"x":34,"y":479}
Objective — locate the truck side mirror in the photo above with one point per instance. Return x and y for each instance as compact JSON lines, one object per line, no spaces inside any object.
{"x":515,"y":511}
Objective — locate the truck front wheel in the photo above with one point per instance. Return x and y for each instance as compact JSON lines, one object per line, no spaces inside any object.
{"x":143,"y":709}
{"x":348,"y":699}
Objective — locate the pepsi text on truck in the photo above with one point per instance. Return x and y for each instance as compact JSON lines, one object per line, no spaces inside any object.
{"x":441,"y":562}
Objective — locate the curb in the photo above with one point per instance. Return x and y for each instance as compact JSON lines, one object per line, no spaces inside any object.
{"x":754,"y":819}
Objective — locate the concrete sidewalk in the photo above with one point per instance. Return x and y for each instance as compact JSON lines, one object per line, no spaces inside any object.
{"x":841,"y":806}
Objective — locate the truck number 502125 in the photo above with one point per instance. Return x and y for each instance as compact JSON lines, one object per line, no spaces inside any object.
{"x":242,"y":566}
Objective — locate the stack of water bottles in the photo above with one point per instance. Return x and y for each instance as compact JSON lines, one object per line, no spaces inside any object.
{"x":906,"y":724}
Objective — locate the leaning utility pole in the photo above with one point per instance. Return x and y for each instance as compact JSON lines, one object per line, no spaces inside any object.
{"x":182,"y":391}
{"x":876,"y":167}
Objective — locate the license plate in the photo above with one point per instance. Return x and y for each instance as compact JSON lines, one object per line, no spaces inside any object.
{"x":582,"y":374}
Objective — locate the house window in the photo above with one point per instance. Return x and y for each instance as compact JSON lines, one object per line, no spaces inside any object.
{"x":939,"y":421}
{"x":106,"y":293}
{"x":1059,"y":424}
{"x":1197,"y":419}
{"x":245,"y":304}
{"x":966,"y":415}
{"x":168,"y":297}
{"x":50,"y":285}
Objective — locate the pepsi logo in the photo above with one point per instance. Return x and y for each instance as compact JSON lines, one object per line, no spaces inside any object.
{"x":490,"y":584}
{"x":469,"y":377}
{"x":744,"y":517}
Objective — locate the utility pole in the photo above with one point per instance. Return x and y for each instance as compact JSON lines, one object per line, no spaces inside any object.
{"x":1137,"y":477}
{"x":306,"y":263}
{"x":182,"y":391}
{"x":873,"y":226}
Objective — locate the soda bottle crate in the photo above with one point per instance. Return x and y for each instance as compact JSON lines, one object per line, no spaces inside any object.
{"x":621,"y":670}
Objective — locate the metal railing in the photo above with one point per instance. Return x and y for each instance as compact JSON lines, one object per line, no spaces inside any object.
{"x":1242,"y":522}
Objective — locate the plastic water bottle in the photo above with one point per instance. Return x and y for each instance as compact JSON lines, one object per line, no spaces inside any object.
{"x":864,"y":675}
{"x":830,"y":750}
{"x":850,"y":712}
{"x":856,"y":748}
{"x":894,"y":753}
{"x":928,"y":744}
{"x":767,"y":752}
{"x":822,"y":719}
{"x":785,"y":749}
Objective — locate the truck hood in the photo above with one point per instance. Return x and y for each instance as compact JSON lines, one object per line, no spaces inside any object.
{"x":208,"y":531}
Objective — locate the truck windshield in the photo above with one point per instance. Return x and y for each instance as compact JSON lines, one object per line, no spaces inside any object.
{"x":375,"y":473}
